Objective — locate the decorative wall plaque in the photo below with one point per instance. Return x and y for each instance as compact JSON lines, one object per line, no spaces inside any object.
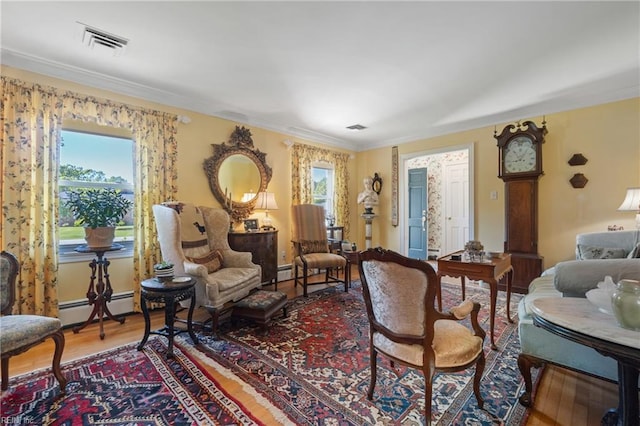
{"x":394,"y":186}
{"x":578,"y":180}
{"x":578,"y":160}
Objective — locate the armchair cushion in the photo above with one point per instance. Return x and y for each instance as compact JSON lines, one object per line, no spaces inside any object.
{"x":24,"y":330}
{"x":212,"y":260}
{"x":322,"y":260}
{"x":320,"y":246}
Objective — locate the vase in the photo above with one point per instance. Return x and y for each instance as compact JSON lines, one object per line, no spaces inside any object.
{"x":625,"y":303}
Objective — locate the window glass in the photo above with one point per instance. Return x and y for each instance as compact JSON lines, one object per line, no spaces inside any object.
{"x":89,"y":160}
{"x":323,"y":181}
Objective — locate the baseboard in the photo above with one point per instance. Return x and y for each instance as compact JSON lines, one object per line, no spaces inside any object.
{"x":284,"y":273}
{"x":77,"y":311}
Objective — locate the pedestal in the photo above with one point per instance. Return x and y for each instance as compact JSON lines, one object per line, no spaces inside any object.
{"x":368,"y":219}
{"x":100,"y":291}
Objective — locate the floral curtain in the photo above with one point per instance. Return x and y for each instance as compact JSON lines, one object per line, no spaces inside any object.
{"x":302,"y":159}
{"x":31,"y":119}
{"x":31,"y":124}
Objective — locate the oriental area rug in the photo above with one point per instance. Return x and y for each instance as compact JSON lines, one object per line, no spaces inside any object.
{"x":314,"y":366}
{"x":124,"y":386}
{"x":311,"y":368}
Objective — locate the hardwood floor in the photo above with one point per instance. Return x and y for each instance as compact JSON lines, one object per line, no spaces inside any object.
{"x":562,"y":398}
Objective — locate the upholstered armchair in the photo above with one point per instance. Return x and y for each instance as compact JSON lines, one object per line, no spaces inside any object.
{"x":194,"y":239}
{"x":19,"y":333}
{"x":405,"y":326}
{"x":311,"y":246}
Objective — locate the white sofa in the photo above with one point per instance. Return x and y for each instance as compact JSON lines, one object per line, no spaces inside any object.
{"x":573,"y":279}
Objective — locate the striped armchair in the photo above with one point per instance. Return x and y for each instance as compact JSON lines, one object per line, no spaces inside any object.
{"x":311,"y":246}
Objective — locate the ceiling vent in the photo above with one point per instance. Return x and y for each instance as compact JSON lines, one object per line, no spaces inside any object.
{"x":356,"y":127}
{"x":93,"y":37}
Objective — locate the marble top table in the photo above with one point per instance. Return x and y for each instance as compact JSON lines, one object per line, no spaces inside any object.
{"x":579,"y":320}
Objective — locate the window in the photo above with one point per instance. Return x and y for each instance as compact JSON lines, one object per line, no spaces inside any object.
{"x":322,"y":186}
{"x":89,"y":160}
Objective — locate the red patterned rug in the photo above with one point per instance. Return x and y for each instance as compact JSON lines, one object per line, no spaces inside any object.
{"x":314,"y":366}
{"x":125,"y":386}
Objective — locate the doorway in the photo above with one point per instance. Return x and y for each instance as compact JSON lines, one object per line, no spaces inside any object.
{"x":449,"y":217}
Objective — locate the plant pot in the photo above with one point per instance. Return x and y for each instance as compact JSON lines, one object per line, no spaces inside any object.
{"x":101,"y":237}
{"x":165,"y":274}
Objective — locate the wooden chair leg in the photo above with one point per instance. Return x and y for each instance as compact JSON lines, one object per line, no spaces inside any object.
{"x":5,"y":373}
{"x":525,"y":362}
{"x":428,"y":392}
{"x":476,"y":380}
{"x":58,"y":338}
{"x":215,"y":317}
{"x":305,"y":274}
{"x":374,"y":373}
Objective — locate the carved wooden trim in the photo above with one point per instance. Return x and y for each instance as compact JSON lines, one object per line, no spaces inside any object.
{"x":240,"y":142}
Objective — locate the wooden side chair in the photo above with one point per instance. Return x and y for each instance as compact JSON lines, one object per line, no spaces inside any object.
{"x":21,"y":332}
{"x":311,"y":246}
{"x":406,"y":327}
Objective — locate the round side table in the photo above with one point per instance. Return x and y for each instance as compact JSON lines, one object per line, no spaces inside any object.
{"x":169,"y":293}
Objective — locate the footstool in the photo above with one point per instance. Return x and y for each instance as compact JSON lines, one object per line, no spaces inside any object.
{"x":260,"y":307}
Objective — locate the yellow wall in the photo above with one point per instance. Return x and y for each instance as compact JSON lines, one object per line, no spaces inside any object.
{"x":608,"y":135}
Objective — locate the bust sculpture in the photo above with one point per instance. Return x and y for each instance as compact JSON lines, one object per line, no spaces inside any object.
{"x":368,"y":197}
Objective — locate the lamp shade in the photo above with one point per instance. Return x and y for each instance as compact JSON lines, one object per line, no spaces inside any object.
{"x":266,"y":201}
{"x":631,"y":201}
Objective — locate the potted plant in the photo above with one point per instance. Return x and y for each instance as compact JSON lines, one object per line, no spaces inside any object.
{"x":163,"y":270}
{"x":100,"y":210}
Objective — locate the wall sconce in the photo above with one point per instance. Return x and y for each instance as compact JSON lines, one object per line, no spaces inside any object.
{"x":266,"y":201}
{"x":631,"y":203}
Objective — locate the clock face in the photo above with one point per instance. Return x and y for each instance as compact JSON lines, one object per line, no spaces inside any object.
{"x":520,"y":155}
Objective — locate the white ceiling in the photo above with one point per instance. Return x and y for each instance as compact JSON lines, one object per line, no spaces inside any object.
{"x":405,"y":70}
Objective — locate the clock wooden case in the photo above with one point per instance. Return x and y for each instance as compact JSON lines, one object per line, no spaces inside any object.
{"x":520,"y":167}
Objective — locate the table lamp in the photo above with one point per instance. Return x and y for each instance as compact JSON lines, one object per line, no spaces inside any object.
{"x":266,"y":201}
{"x":631,"y":203}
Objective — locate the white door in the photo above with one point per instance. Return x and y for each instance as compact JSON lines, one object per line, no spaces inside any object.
{"x":455,"y":193}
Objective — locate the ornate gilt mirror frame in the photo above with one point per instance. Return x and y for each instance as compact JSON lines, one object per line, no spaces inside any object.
{"x":239,"y":144}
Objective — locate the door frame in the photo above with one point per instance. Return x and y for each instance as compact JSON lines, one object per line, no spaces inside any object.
{"x":402,"y":187}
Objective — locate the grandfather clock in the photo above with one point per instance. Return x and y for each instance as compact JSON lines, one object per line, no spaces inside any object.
{"x":520,"y":166}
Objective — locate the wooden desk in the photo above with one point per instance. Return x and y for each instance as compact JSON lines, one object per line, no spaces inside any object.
{"x":490,"y":271}
{"x":578,"y":320}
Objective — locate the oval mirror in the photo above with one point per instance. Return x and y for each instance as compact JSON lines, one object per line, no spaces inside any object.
{"x":236,"y":173}
{"x":239,"y":176}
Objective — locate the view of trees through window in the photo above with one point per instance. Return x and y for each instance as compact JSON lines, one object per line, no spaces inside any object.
{"x":94,"y":161}
{"x":323,"y":188}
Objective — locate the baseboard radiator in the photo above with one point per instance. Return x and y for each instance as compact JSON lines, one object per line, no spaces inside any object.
{"x":77,"y":311}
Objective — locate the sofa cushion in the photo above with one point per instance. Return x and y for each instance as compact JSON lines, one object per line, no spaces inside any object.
{"x":574,"y":278}
{"x":540,"y":287}
{"x":593,"y":252}
{"x":635,"y":253}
